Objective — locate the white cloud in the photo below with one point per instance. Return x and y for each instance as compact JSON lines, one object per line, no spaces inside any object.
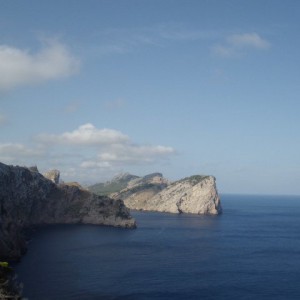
{"x":113,"y":147}
{"x":18,"y":153}
{"x":85,"y":135}
{"x":124,"y":156}
{"x":85,"y":152}
{"x":20,"y":67}
{"x":92,"y":164}
{"x":237,"y":45}
{"x":134,"y":153}
{"x":127,"y":40}
{"x":252,"y":40}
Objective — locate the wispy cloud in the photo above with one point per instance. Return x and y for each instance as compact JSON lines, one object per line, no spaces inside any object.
{"x":85,"y":150}
{"x":248,"y":40}
{"x":21,"y":67}
{"x":16,"y":152}
{"x":128,"y":154}
{"x":125,"y":40}
{"x":237,"y":45}
{"x":85,"y":135}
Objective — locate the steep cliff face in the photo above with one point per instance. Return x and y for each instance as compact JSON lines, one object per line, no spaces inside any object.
{"x":195,"y":194}
{"x":28,"y":198}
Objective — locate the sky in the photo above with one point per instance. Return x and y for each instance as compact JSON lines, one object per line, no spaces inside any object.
{"x":95,"y":88}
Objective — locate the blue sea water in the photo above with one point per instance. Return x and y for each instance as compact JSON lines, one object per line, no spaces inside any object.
{"x":251,"y":251}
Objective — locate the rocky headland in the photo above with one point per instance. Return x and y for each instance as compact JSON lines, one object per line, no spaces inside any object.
{"x":195,"y":194}
{"x":27,"y":198}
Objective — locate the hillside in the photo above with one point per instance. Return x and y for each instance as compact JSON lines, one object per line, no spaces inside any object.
{"x":115,"y":185}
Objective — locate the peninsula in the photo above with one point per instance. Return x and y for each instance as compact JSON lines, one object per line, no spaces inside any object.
{"x":195,"y":194}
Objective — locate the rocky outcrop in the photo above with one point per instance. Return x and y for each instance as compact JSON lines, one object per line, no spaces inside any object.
{"x":196,"y":194}
{"x":27,"y":198}
{"x":53,"y":175}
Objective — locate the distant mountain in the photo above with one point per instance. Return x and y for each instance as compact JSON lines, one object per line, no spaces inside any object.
{"x":195,"y":194}
{"x":118,"y":183}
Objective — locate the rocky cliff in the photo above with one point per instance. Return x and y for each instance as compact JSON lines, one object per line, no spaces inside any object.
{"x":196,"y":194}
{"x":9,"y":288}
{"x":28,"y":198}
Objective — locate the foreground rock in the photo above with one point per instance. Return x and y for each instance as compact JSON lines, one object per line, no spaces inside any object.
{"x":196,"y":194}
{"x":9,"y":288}
{"x":27,"y":199}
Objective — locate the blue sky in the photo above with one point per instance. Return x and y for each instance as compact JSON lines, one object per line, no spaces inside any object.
{"x":95,"y":88}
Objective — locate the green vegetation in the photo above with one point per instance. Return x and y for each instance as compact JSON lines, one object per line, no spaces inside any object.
{"x":104,"y":190}
{"x":4,"y":264}
{"x":146,"y":186}
{"x":195,"y":179}
{"x":114,"y":186}
{"x":9,"y":289}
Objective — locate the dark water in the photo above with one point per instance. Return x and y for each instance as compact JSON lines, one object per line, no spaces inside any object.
{"x":252,"y":251}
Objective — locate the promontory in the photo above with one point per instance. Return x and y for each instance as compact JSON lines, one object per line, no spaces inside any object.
{"x":195,"y":194}
{"x":27,"y":198}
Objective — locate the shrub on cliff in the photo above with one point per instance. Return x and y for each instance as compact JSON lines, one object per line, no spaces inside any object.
{"x":9,"y":289}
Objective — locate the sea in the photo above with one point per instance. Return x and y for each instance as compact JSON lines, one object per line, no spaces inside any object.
{"x":251,"y":251}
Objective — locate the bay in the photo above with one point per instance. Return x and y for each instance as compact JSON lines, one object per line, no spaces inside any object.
{"x":251,"y":251}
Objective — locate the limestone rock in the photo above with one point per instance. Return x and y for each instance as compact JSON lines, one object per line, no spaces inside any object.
{"x":141,"y":189}
{"x":196,"y":194}
{"x":28,"y":198}
{"x":53,"y":175}
{"x":188,"y":196}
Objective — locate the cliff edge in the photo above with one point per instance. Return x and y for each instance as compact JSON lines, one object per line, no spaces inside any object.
{"x":195,"y":194}
{"x":27,"y":198}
